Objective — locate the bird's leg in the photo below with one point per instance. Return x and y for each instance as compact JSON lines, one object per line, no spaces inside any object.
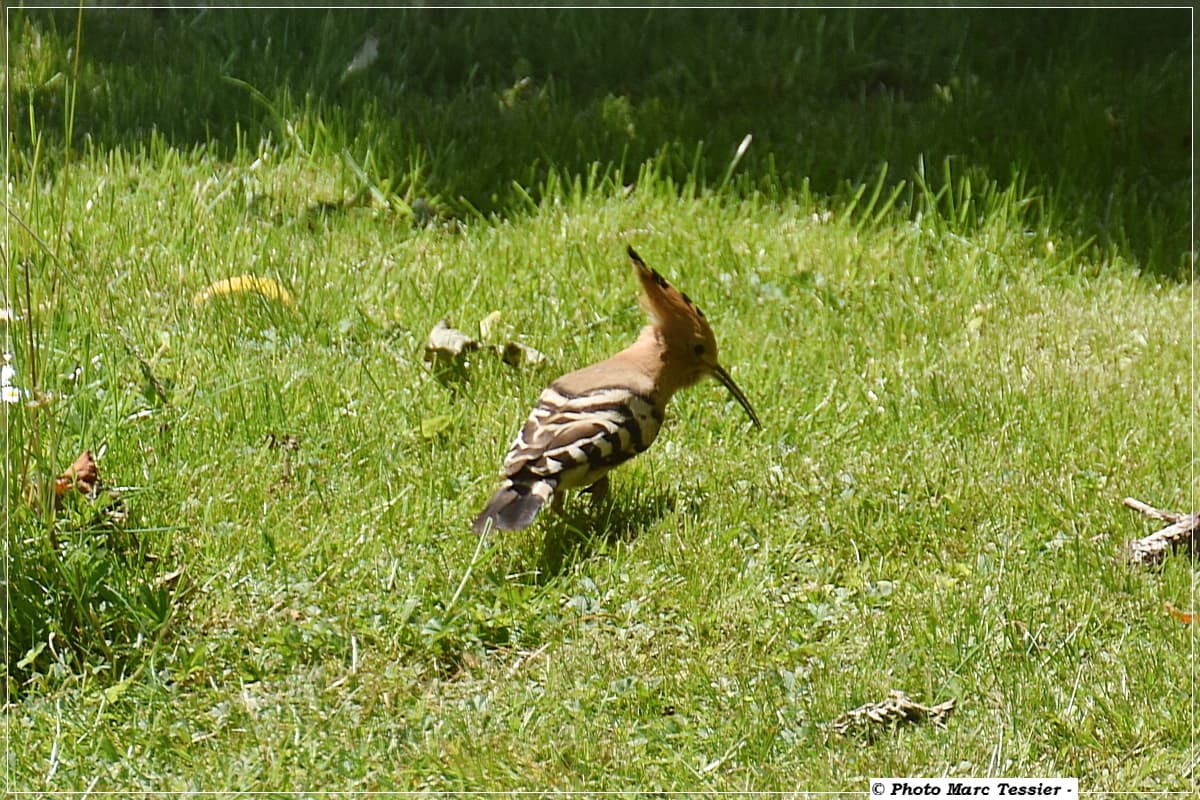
{"x":599,"y":492}
{"x":556,"y":503}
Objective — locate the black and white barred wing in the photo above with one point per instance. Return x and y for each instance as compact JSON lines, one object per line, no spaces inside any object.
{"x":578,"y":438}
{"x":569,"y":441}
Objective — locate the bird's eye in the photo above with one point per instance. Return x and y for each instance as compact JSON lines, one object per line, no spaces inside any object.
{"x":698,"y":349}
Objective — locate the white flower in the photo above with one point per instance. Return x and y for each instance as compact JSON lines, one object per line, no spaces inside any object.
{"x":8,"y":393}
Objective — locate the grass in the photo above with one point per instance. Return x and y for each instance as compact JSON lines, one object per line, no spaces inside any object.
{"x":950,"y":284}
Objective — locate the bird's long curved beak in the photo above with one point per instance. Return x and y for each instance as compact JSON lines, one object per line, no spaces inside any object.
{"x":737,"y":393}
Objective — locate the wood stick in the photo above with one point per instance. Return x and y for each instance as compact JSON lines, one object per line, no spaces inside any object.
{"x":1153,"y":548}
{"x":1151,"y":511}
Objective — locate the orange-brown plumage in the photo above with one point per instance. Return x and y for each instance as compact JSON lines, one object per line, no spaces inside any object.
{"x":589,"y":421}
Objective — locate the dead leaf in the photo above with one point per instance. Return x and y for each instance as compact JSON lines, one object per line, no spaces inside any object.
{"x":897,"y":708}
{"x":446,"y":344}
{"x":490,"y":326}
{"x":448,"y":347}
{"x":285,"y":441}
{"x":83,"y":475}
{"x":170,"y":579}
{"x":1186,"y":617}
{"x":105,"y":507}
{"x":267,"y":288}
{"x":518,"y":355}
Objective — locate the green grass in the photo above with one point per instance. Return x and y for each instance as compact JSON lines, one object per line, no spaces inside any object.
{"x":954,"y":289}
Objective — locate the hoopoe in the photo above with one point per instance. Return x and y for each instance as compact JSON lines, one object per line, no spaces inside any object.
{"x":593,"y":419}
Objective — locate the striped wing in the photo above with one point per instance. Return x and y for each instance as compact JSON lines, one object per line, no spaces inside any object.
{"x":574,"y":439}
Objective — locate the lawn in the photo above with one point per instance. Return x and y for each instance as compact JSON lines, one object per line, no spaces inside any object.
{"x":947,"y":255}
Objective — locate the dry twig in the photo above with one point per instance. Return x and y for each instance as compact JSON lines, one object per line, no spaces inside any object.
{"x":1180,"y":532}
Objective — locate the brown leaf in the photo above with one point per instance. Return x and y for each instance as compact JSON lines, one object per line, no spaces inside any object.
{"x":1186,"y":617}
{"x":169,"y":580}
{"x":449,"y":347}
{"x":283,"y":441}
{"x":448,"y":344}
{"x":516,"y":354}
{"x":83,"y":475}
{"x":896,"y":708}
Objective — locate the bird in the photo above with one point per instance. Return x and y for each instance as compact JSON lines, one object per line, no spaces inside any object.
{"x":598,"y":417}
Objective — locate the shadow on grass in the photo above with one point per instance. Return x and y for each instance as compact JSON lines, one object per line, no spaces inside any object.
{"x":584,"y":528}
{"x":475,"y":110}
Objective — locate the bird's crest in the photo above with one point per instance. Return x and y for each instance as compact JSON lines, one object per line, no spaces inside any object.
{"x":681,"y":329}
{"x":660,"y":300}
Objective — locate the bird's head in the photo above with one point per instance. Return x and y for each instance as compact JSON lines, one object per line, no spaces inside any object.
{"x":682,"y":331}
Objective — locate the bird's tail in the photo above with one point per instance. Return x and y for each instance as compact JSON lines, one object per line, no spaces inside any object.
{"x":514,"y":505}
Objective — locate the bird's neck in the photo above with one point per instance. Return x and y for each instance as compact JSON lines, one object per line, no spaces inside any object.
{"x":653,"y":357}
